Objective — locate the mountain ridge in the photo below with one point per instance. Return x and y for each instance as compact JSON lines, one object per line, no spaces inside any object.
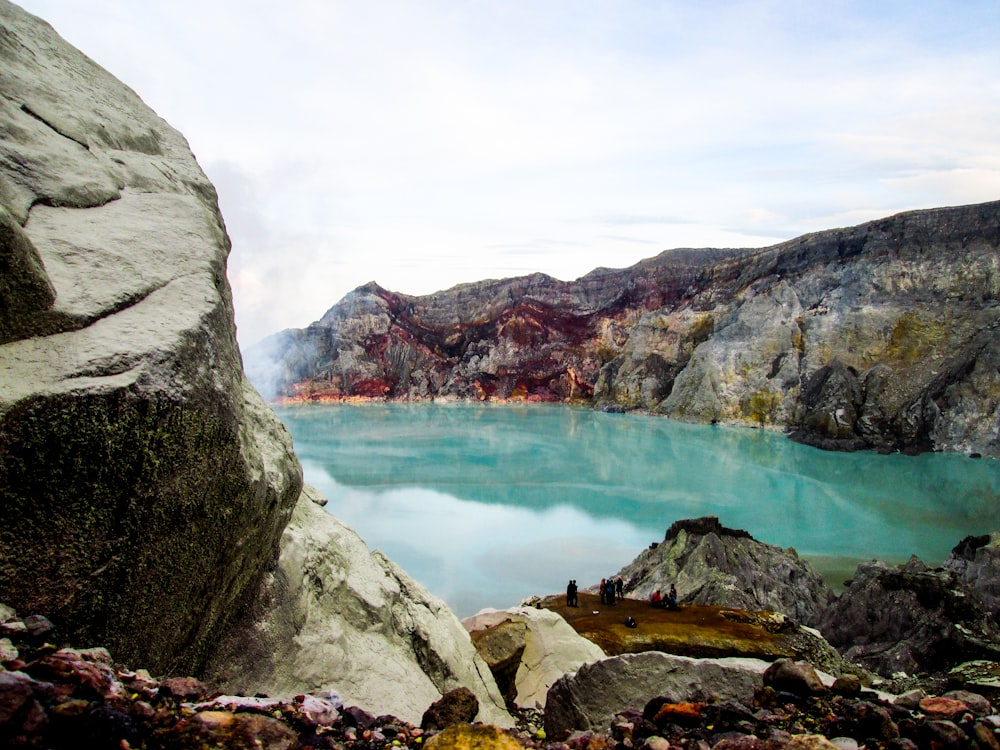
{"x":878,"y":336}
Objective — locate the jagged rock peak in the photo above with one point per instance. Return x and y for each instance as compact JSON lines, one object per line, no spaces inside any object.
{"x":711,"y":564}
{"x":702,"y":526}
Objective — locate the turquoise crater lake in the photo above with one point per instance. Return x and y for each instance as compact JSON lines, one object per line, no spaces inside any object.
{"x":488,"y":504}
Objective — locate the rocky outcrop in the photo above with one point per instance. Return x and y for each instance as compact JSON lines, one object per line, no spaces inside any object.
{"x":976,"y":562}
{"x":145,"y":487}
{"x":144,"y":484}
{"x":533,"y":647}
{"x":878,"y":336}
{"x":711,"y":564}
{"x":335,"y":616}
{"x":910,"y":619}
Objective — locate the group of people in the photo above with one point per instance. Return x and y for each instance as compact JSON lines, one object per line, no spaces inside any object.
{"x":670,"y":602}
{"x":612,"y":589}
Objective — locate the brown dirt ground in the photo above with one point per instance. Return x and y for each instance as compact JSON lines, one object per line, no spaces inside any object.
{"x":693,"y":630}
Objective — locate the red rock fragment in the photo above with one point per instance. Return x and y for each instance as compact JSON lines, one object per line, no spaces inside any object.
{"x":678,"y":713}
{"x":942,"y":708}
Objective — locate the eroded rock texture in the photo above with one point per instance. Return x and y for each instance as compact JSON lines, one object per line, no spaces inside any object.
{"x":911,"y":619}
{"x":878,"y":336}
{"x":143,"y":483}
{"x":712,"y":564}
{"x":334,"y":615}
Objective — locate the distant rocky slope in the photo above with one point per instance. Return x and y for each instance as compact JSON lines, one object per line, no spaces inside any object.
{"x":880,"y":336}
{"x":150,"y":500}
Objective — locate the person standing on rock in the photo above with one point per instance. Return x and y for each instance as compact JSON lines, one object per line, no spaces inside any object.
{"x":619,"y":588}
{"x":604,"y":591}
{"x":571,"y":600}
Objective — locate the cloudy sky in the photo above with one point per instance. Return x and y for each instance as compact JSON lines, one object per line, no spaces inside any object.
{"x":424,"y":143}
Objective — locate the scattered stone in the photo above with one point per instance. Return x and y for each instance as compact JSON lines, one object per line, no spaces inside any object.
{"x":795,"y":677}
{"x":238,"y":731}
{"x":472,"y":737}
{"x":38,"y":626}
{"x":656,"y":743}
{"x":7,"y":651}
{"x":358,"y":717}
{"x":910,"y":700}
{"x":942,"y":708}
{"x":847,"y":684}
{"x":810,"y":742}
{"x":942,"y":733}
{"x":186,"y":689}
{"x":678,"y":713}
{"x":976,"y":703}
{"x":982,"y":677}
{"x":456,"y":707}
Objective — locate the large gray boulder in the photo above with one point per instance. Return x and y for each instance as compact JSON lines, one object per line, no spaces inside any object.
{"x":145,"y":488}
{"x":335,"y":616}
{"x":589,"y":698}
{"x":544,"y":645}
{"x":712,"y":564}
{"x":144,"y":485}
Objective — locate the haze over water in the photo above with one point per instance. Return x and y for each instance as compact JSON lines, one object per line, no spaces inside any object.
{"x":488,"y":504}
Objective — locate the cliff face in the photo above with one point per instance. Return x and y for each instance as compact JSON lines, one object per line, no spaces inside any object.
{"x":146,"y":490}
{"x":878,"y":336}
{"x":134,"y":455}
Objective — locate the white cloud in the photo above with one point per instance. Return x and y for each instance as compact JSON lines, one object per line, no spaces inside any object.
{"x":413,"y":142}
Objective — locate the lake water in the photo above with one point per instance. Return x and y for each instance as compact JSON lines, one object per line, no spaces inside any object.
{"x":488,"y":504}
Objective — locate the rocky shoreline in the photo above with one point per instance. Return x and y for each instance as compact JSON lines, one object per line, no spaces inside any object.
{"x":55,"y":696}
{"x":705,"y":676}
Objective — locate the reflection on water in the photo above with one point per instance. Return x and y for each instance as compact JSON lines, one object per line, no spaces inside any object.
{"x":487,"y":504}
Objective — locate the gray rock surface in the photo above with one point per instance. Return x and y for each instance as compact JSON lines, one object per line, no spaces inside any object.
{"x":143,"y":483}
{"x":711,"y":564}
{"x":589,"y":698}
{"x":976,"y":562}
{"x":145,"y":487}
{"x":910,"y":619}
{"x":335,"y":616}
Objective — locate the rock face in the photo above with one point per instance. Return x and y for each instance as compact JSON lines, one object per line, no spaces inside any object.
{"x":334,"y":615}
{"x":144,"y":484}
{"x":910,"y":619}
{"x":976,"y":562}
{"x":711,"y":564}
{"x":535,"y":647}
{"x":145,"y":488}
{"x":877,"y":336}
